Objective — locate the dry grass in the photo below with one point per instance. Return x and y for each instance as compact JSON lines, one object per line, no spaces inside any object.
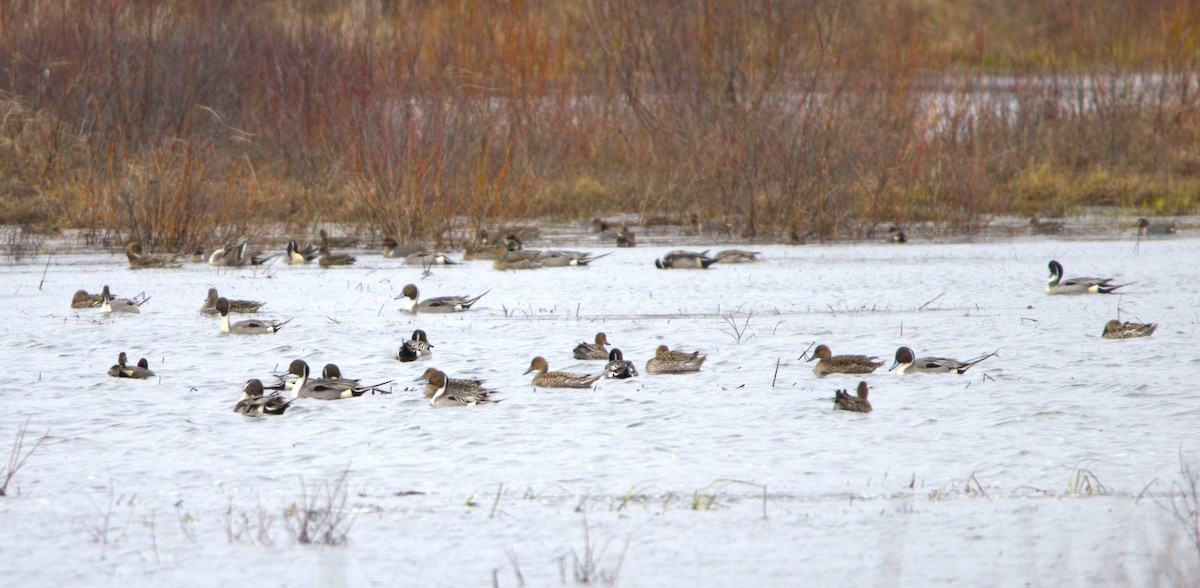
{"x":181,"y":123}
{"x":18,"y":456}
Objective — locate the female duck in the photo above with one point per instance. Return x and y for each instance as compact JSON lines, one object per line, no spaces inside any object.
{"x":248,"y":327}
{"x":618,"y":368}
{"x":842,"y":364}
{"x":139,"y":260}
{"x":593,"y":350}
{"x":416,"y":348}
{"x":842,"y":400}
{"x":908,"y":363}
{"x":666,"y":361}
{"x":548,"y":379}
{"x":1057,"y":285}
{"x":82,"y":299}
{"x":1116,"y":329}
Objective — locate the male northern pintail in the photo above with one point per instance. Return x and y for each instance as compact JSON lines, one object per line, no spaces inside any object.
{"x":392,"y":248}
{"x":110,"y":304}
{"x":593,"y":350}
{"x":617,"y":368}
{"x":237,"y":255}
{"x":666,"y":361}
{"x":417,"y":347}
{"x":442,"y":395}
{"x":299,"y":255}
{"x":242,"y":306}
{"x":684,"y":260}
{"x":736,"y":256}
{"x":439,"y":304}
{"x":896,"y":235}
{"x":560,"y":258}
{"x":1145,"y":228}
{"x":254,"y":402}
{"x":626,"y":237}
{"x":1057,"y":285}
{"x":330,"y":373}
{"x":908,"y":363}
{"x":842,"y":364}
{"x":334,"y":388}
{"x":505,"y":259}
{"x":329,"y":259}
{"x":247,"y":327}
{"x":141,"y":371}
{"x":548,"y":379}
{"x":1038,"y":227}
{"x":82,"y":299}
{"x":842,"y":400}
{"x":428,"y":258}
{"x":457,"y":385}
{"x":139,"y":260}
{"x":1116,"y":329}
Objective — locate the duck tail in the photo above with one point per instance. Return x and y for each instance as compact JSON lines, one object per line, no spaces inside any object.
{"x":971,"y":362}
{"x":1109,"y":289}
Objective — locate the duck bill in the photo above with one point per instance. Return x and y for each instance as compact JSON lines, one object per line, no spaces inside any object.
{"x":527,"y":371}
{"x":894,"y":365}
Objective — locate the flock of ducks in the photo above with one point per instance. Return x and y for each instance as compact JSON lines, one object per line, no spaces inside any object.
{"x":510,"y":254}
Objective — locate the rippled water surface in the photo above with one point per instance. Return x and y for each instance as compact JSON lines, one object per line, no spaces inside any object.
{"x":1046,"y":465}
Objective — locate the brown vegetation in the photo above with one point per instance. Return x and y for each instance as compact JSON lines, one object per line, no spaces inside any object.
{"x":179,"y":123}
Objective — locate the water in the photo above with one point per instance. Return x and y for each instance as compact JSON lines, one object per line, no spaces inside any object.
{"x":952,"y":480}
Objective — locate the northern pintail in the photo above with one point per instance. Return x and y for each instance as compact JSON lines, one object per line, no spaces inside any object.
{"x":1037,"y":227}
{"x":325,"y":388}
{"x":457,"y":385}
{"x":329,"y":259}
{"x":141,"y":371}
{"x":908,"y":363}
{"x":331,"y":373}
{"x":417,"y":347}
{"x":139,"y":260}
{"x":428,"y":258}
{"x":842,"y":400}
{"x":242,"y":306}
{"x":82,"y":299}
{"x":1116,"y":329}
{"x":299,"y":255}
{"x":504,"y":259}
{"x":440,"y":304}
{"x":593,"y":350}
{"x":443,"y":396}
{"x":392,"y":249}
{"x":736,"y":256}
{"x":603,"y":230}
{"x":626,"y":237}
{"x":254,"y":402}
{"x":247,"y":327}
{"x":560,"y":258}
{"x":842,"y":364}
{"x":197,"y":255}
{"x":548,"y":379}
{"x":1145,"y":228}
{"x":684,"y":260}
{"x":666,"y":361}
{"x":1057,"y":285}
{"x":340,"y":242}
{"x":110,"y":304}
{"x":896,"y":235}
{"x":238,"y":255}
{"x":617,"y":368}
